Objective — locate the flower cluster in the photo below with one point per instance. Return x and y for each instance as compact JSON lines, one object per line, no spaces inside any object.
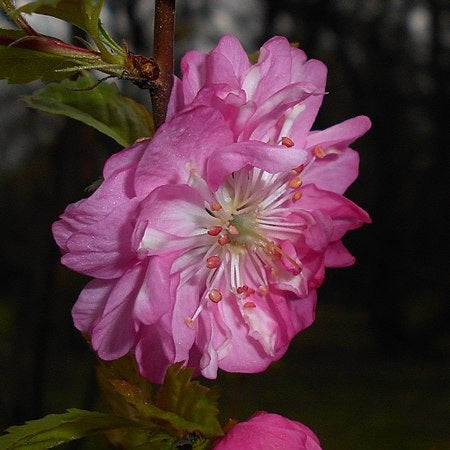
{"x":207,"y":243}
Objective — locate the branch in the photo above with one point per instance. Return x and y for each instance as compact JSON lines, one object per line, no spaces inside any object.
{"x":164,"y":28}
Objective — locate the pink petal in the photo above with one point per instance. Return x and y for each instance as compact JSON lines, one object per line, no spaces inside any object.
{"x":272,"y":108}
{"x":227,"y":62}
{"x":340,"y":135}
{"x":336,"y":255}
{"x":344,"y":213}
{"x":272,"y":159}
{"x":193,"y":68}
{"x":152,"y":299}
{"x":103,"y":249}
{"x":180,"y":146}
{"x":175,"y":209}
{"x":91,"y":303}
{"x":115,"y":190}
{"x":155,"y":351}
{"x":335,"y":172}
{"x":113,"y":335}
{"x":176,"y":101}
{"x":274,"y":65}
{"x":313,"y":72}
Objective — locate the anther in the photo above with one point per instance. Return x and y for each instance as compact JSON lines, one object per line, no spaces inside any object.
{"x":223,"y":239}
{"x":214,"y":230}
{"x":287,"y":142}
{"x":263,"y":290}
{"x":233,"y":230}
{"x":189,"y":322}
{"x":242,"y":289}
{"x":213,"y":262}
{"x":297,"y":196}
{"x":298,"y":169}
{"x":248,"y":305}
{"x":319,"y":152}
{"x":215,"y":295}
{"x":215,"y":206}
{"x":295,"y":182}
{"x":249,"y":292}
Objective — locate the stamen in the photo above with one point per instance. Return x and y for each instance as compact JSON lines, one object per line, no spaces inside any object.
{"x":277,"y":249}
{"x":249,"y":292}
{"x":295,"y":182}
{"x":297,"y":196}
{"x":287,"y":142}
{"x":215,"y":295}
{"x":298,"y":169}
{"x":248,"y":305}
{"x":215,"y":206}
{"x":233,"y":230}
{"x":213,"y":262}
{"x":241,"y":289}
{"x":319,"y":152}
{"x":263,"y":290}
{"x":214,"y":230}
{"x":223,"y":239}
{"x":189,"y":322}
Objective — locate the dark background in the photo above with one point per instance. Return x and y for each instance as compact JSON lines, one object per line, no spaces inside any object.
{"x":372,"y":372}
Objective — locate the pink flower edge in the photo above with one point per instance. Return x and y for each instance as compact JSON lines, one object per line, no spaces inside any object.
{"x":267,"y":431}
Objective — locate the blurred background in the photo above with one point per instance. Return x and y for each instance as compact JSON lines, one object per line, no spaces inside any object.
{"x":373,"y":371}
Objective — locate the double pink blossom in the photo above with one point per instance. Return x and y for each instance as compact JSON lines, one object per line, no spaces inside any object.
{"x":269,"y":432}
{"x":207,"y":242}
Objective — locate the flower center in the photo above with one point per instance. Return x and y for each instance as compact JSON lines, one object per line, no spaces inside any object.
{"x":250,"y":222}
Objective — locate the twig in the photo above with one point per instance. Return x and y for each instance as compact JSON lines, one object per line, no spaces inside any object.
{"x":164,"y":29}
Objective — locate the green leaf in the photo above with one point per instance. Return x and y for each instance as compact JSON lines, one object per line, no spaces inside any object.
{"x":123,"y":369}
{"x":56,"y":429}
{"x":11,"y":35}
{"x":82,"y":13}
{"x":102,"y":107}
{"x":20,"y":65}
{"x":85,"y":15}
{"x":183,"y":408}
{"x":129,"y":395}
{"x":190,"y":400}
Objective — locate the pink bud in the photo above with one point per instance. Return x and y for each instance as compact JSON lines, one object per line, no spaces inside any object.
{"x":269,"y":432}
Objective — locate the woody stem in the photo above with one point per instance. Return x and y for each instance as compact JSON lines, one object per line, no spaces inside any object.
{"x":164,"y":28}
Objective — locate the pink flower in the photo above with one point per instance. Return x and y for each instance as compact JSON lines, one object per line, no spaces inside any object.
{"x":207,"y":242}
{"x":269,"y":431}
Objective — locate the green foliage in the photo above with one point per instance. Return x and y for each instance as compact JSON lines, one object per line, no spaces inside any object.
{"x":184,"y":414}
{"x":25,"y":58}
{"x":20,"y":65}
{"x":183,"y":408}
{"x":82,"y":13}
{"x":56,"y":429}
{"x":101,"y":107}
{"x":189,"y":399}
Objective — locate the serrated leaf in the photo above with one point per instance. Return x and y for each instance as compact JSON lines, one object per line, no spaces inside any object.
{"x":56,"y":429}
{"x":189,"y":400}
{"x":122,"y":370}
{"x":20,"y":65}
{"x":82,"y":13}
{"x":102,"y":107}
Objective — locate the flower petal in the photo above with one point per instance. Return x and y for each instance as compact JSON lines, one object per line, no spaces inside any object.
{"x":335,"y":172}
{"x":113,"y":335}
{"x":272,"y":159}
{"x":343,"y":212}
{"x":103,"y":249}
{"x":340,"y":135}
{"x":180,"y":145}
